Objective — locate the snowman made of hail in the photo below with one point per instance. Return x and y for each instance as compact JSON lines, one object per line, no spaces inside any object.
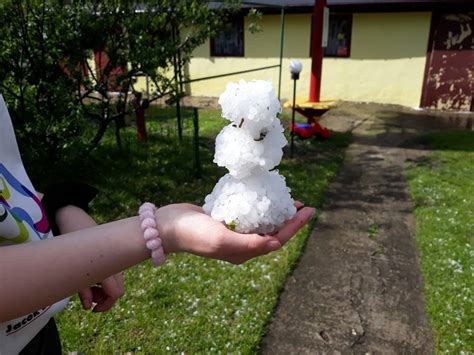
{"x":252,"y":197}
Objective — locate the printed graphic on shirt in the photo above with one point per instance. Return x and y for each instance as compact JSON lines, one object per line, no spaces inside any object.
{"x":22,"y":220}
{"x":18,"y":221}
{"x":19,"y":324}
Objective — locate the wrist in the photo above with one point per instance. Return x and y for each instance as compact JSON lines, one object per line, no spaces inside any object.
{"x":166,"y":232}
{"x":181,"y":227}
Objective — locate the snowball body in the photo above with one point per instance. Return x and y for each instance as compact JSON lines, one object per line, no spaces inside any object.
{"x":240,"y":153}
{"x":259,"y":203}
{"x":250,"y":197}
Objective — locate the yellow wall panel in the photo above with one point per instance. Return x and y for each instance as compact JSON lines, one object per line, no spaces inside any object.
{"x":386,"y":65}
{"x":261,"y":49}
{"x":204,"y":67}
{"x":388,"y":55}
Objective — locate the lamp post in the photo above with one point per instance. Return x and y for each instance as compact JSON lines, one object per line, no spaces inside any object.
{"x":295,"y":69}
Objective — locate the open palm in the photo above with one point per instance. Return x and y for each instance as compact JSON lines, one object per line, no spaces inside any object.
{"x":185,"y":227}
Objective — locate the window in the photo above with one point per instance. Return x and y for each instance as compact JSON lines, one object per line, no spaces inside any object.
{"x":230,"y":42}
{"x":339,"y":38}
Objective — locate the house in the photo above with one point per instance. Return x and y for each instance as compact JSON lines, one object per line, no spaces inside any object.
{"x":416,"y":53}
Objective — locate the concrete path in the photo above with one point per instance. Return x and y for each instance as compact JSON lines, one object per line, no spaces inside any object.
{"x":358,"y":288}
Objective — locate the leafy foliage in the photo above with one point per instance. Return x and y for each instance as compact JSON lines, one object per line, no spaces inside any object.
{"x":41,"y":97}
{"x":46,"y":64}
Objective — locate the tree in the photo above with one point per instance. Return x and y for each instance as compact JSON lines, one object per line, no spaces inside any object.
{"x":40,"y":96}
{"x":47,"y":46}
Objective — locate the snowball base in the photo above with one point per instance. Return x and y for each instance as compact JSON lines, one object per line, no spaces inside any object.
{"x":259,"y":203}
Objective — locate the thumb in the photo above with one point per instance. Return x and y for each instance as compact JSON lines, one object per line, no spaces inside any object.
{"x":85,"y":296}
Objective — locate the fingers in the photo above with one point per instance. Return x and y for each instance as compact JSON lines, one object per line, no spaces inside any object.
{"x":238,"y":248}
{"x":120,"y":282}
{"x":294,"y":225}
{"x":85,"y":296}
{"x":261,"y":245}
{"x":299,"y":205}
{"x":111,"y":290}
{"x":243,"y":247}
{"x":105,"y":299}
{"x":98,"y":296}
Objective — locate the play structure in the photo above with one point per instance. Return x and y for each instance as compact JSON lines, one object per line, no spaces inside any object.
{"x":308,"y":130}
{"x":314,"y":107}
{"x":313,"y":112}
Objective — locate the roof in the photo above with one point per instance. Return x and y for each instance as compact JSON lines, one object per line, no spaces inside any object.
{"x":350,"y":6}
{"x":286,"y":3}
{"x":394,"y":2}
{"x":310,"y":3}
{"x":298,"y":6}
{"x":267,"y":3}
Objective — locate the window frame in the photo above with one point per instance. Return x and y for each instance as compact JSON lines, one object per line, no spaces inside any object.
{"x":239,"y":20}
{"x":350,"y":17}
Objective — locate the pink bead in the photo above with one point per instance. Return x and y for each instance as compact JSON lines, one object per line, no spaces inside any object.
{"x":153,"y":244}
{"x":148,"y":223}
{"x":147,"y":206}
{"x":146,"y":214}
{"x":146,"y":209}
{"x":150,"y":233}
{"x":157,"y":252}
{"x":158,"y":256}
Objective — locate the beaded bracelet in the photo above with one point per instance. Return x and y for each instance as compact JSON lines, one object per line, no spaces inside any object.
{"x":150,"y":232}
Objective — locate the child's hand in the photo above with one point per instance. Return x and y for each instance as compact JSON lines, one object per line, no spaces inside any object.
{"x":104,"y":295}
{"x":185,"y":227}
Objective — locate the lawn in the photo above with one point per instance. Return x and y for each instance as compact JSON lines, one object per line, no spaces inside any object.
{"x":191,"y":304}
{"x":442,"y":186}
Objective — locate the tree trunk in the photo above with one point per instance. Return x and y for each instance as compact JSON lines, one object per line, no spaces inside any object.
{"x":99,"y":135}
{"x":118,"y":124}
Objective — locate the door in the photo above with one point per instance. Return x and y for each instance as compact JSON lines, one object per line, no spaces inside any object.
{"x":449,"y":73}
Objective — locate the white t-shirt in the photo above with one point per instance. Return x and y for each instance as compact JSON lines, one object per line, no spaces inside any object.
{"x":22,"y":220}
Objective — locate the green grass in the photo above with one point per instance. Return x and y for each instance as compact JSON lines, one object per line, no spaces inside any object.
{"x":191,"y":304}
{"x":442,"y":186}
{"x":373,"y":231}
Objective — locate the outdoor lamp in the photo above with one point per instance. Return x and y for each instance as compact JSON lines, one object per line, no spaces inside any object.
{"x":295,"y":69}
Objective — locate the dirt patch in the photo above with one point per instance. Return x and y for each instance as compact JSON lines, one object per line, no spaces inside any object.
{"x":348,"y":115}
{"x":201,"y":102}
{"x":358,"y":287}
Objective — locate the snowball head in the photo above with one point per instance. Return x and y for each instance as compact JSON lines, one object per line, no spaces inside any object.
{"x":250,"y":105}
{"x":237,"y":151}
{"x":259,"y":203}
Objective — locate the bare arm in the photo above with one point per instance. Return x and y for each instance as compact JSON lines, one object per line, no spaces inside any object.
{"x":41,"y":273}
{"x":103,"y":295}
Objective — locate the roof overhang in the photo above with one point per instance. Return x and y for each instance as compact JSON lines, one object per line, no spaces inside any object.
{"x":398,"y":5}
{"x":302,"y":6}
{"x":267,"y":6}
